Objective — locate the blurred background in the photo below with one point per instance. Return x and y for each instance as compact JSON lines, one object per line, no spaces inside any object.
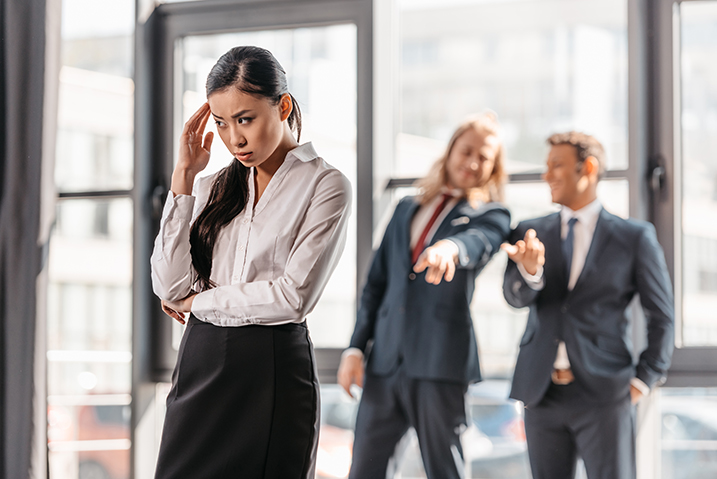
{"x":382,"y":85}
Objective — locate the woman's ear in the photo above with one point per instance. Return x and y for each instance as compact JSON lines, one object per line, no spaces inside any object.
{"x":286,"y":106}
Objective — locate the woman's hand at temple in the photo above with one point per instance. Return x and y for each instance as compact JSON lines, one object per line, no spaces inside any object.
{"x":194,"y":149}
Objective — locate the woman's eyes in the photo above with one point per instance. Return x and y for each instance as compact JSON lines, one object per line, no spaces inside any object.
{"x":240,"y":121}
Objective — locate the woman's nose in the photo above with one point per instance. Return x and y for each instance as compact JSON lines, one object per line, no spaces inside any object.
{"x":238,"y":139}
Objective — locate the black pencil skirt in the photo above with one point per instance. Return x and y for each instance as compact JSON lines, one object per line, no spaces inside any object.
{"x":244,"y":404}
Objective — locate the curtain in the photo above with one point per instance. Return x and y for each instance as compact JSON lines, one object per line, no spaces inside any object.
{"x":22,"y":74}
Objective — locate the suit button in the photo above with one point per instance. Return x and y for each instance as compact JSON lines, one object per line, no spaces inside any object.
{"x":565,"y":308}
{"x":412,"y":276}
{"x":557,"y":340}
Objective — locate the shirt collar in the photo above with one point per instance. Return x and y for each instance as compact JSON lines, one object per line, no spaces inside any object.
{"x":454,"y":192}
{"x":588,"y":214}
{"x":304,"y":152}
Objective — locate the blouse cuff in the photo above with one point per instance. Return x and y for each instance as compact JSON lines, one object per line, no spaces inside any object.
{"x":203,"y":306}
{"x":178,"y":206}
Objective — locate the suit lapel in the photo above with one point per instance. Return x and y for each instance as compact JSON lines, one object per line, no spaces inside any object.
{"x":405,"y":231}
{"x":445,"y":226}
{"x":601,"y":238}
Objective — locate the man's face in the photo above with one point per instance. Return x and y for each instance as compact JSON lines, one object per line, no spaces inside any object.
{"x":565,"y":175}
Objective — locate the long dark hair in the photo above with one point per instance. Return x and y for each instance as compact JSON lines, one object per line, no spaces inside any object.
{"x":255,"y":71}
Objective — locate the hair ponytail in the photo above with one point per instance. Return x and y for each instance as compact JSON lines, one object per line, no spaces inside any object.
{"x":295,"y":117}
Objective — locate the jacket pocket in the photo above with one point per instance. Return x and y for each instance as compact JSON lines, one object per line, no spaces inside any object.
{"x":611,"y":345}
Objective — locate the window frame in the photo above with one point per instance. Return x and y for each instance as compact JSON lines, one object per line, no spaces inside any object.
{"x":156,"y":61}
{"x":691,"y":366}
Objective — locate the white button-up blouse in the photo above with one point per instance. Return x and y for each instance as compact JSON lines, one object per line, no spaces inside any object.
{"x":270,"y":263}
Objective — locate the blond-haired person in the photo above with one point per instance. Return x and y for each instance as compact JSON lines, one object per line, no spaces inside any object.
{"x":415,"y":308}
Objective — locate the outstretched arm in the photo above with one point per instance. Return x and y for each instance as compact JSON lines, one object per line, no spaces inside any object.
{"x":471,"y":248}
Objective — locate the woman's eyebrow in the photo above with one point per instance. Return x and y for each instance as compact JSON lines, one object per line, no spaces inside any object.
{"x":235,"y":115}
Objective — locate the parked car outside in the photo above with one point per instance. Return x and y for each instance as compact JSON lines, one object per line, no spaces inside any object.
{"x":493,"y":443}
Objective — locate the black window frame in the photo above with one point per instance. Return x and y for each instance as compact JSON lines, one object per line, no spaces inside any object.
{"x":154,"y":356}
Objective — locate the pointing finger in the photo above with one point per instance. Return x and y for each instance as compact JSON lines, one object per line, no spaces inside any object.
{"x":510,"y":249}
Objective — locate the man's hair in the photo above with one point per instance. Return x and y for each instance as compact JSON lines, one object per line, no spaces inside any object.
{"x":585,"y":147}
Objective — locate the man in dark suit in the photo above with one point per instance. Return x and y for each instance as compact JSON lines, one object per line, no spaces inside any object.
{"x":415,"y":309}
{"x":578,"y":270}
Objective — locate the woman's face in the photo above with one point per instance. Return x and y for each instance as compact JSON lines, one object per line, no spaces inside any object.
{"x":471,"y":160}
{"x":251,"y":126}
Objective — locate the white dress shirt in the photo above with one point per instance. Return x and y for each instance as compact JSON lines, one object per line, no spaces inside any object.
{"x":424,"y":213}
{"x":272,"y":261}
{"x":583,"y":232}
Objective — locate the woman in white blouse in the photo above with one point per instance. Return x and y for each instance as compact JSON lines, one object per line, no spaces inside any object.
{"x":247,"y":252}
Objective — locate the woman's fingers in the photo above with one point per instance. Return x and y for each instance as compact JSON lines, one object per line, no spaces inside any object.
{"x":172,"y":313}
{"x":450,"y":271}
{"x":208,"y":141}
{"x":512,"y":250}
{"x":199,"y":115}
{"x":203,"y":119}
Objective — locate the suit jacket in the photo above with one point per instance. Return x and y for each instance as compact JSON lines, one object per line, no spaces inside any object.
{"x":624,"y":259}
{"x":427,"y":326}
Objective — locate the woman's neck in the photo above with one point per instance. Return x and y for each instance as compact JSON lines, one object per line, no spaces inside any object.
{"x":265,"y":171}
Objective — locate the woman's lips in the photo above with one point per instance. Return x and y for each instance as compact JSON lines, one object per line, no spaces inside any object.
{"x":243,"y":156}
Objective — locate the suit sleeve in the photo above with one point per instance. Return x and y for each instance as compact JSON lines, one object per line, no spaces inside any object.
{"x":483,"y":237}
{"x":373,"y":292}
{"x":656,"y":297}
{"x":516,"y":290}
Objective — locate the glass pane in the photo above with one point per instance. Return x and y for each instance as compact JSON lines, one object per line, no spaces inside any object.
{"x":96,"y":96}
{"x":699,"y":173}
{"x":543,"y":66}
{"x":688,"y":419}
{"x":89,"y":336}
{"x":493,"y":444}
{"x":321,"y":67}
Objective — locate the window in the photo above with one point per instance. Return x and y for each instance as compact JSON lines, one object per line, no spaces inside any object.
{"x":89,"y":315}
{"x":688,"y":425}
{"x":544,"y":66}
{"x":698,"y":35}
{"x":321,"y":72}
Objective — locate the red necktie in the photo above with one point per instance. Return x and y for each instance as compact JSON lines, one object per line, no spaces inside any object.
{"x":418,"y":249}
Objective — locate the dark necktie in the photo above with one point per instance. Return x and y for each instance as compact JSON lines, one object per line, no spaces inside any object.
{"x":418,"y":249}
{"x":568,"y":247}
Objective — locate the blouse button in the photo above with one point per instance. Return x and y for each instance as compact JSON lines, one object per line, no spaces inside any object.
{"x":246,"y":221}
{"x":241,"y":247}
